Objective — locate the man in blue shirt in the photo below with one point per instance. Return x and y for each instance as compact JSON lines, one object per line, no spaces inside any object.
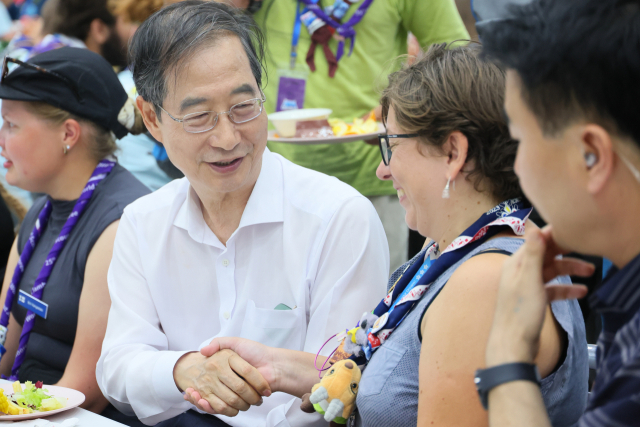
{"x":571,"y":98}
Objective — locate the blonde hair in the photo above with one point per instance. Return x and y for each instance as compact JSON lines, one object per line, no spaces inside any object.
{"x":14,"y":204}
{"x":101,"y":141}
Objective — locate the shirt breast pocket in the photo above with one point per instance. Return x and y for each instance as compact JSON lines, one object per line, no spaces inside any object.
{"x":383,"y":362}
{"x":275,"y":328}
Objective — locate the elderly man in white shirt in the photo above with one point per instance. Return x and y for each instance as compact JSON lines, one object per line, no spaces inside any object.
{"x":247,"y":244}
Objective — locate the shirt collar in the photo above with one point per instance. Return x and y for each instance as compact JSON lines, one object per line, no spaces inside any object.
{"x":620,"y":293}
{"x":265,"y":204}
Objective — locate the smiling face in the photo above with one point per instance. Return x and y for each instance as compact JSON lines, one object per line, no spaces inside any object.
{"x":32,"y":147}
{"x":418,"y":177}
{"x":227,"y":158}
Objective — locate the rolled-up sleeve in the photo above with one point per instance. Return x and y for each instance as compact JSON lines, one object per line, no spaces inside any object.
{"x":135,"y":369}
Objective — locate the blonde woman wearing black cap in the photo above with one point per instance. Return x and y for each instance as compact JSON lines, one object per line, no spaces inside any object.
{"x":62,"y":111}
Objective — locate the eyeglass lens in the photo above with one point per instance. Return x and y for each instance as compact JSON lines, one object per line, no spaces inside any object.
{"x":384,"y":149}
{"x":206,"y":120}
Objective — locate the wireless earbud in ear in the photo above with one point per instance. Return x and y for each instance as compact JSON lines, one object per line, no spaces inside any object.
{"x":590,"y":159}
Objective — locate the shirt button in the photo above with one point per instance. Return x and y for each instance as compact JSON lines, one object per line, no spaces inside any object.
{"x":225,"y":262}
{"x":226,"y":315}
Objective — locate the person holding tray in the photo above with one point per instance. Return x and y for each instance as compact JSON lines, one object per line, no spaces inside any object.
{"x":61,"y":110}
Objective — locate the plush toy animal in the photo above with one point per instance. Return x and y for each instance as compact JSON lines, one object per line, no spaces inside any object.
{"x":335,"y":395}
{"x":357,"y":337}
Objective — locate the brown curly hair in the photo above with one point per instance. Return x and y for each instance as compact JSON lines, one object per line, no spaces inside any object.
{"x":452,"y":89}
{"x":134,"y":10}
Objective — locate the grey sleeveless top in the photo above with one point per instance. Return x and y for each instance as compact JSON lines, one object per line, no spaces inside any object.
{"x":51,"y":340}
{"x":389,"y":389}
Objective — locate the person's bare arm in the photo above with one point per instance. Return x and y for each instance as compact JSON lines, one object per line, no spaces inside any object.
{"x":454,"y":336}
{"x":516,"y":332}
{"x":92,"y":324}
{"x":14,"y":329}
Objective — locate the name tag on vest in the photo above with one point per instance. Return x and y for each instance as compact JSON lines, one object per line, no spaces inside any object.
{"x":29,"y":302}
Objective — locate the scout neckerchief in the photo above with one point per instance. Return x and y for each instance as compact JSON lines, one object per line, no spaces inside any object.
{"x":100,"y":172}
{"x":417,"y":279}
{"x":323,"y":25}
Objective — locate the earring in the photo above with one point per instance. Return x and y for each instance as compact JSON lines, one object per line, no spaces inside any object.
{"x":445,"y":192}
{"x":66,"y":149}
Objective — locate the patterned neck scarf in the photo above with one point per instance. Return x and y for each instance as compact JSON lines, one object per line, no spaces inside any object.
{"x":417,"y":279}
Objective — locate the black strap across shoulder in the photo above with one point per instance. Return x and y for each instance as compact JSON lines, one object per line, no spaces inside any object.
{"x":494,"y":251}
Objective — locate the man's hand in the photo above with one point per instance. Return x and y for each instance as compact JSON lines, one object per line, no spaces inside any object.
{"x":226,"y":383}
{"x":523,"y":296}
{"x":253,"y":353}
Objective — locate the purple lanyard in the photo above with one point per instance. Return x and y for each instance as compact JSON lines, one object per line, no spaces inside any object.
{"x":345,"y":30}
{"x":100,"y":172}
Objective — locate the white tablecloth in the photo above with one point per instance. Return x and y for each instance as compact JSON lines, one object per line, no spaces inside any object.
{"x":86,"y":418}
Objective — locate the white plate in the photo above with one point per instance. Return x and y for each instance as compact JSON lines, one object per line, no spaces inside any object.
{"x":327,"y":140}
{"x":74,"y":399}
{"x":285,"y":121}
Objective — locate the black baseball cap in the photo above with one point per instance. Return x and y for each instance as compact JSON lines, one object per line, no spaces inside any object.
{"x":72,"y":79}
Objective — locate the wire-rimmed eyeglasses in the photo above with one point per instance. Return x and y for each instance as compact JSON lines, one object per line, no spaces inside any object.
{"x":67,"y":81}
{"x":204,"y":121}
{"x":383,"y":142}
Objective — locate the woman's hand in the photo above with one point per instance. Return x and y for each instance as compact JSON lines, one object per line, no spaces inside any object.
{"x":523,"y":296}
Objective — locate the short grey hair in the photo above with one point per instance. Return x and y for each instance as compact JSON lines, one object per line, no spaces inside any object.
{"x":175,"y":33}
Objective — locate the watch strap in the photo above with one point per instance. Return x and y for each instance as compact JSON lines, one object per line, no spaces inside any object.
{"x":487,"y":379}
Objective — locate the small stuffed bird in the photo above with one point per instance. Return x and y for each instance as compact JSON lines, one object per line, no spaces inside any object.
{"x":335,"y":395}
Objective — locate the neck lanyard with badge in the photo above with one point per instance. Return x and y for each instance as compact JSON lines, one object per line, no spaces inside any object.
{"x":33,"y":302}
{"x":322,"y":25}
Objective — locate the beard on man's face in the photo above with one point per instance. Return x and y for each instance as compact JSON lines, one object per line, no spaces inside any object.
{"x":114,"y":50}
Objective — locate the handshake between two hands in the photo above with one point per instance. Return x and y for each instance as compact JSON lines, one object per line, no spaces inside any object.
{"x":218,"y":380}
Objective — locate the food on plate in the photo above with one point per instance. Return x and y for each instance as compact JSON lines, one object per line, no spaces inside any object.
{"x":358,"y":127}
{"x":28,"y":399}
{"x":10,"y":408}
{"x":313,"y":123}
{"x":313,"y":129}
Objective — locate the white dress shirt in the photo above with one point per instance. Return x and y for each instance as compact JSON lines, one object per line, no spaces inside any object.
{"x":305,"y":240}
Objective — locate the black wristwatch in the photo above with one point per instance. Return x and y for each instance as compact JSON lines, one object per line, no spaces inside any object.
{"x":486,"y":379}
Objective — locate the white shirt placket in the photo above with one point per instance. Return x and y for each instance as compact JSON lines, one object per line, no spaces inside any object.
{"x":225,"y":274}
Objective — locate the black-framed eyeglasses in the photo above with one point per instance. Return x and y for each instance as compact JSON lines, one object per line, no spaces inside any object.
{"x":67,"y":81}
{"x":204,"y":121}
{"x":383,"y":142}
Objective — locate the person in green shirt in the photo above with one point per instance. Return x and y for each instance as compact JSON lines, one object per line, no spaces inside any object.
{"x":381,"y":36}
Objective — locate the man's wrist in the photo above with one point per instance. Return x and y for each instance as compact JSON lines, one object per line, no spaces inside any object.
{"x":506,"y":349}
{"x":182,"y":366}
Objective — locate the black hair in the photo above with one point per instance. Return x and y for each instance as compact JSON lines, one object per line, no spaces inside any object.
{"x":576,"y":60}
{"x":175,"y":33}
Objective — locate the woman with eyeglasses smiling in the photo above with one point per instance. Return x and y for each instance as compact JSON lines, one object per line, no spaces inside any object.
{"x":449,"y":154}
{"x":62,"y":111}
